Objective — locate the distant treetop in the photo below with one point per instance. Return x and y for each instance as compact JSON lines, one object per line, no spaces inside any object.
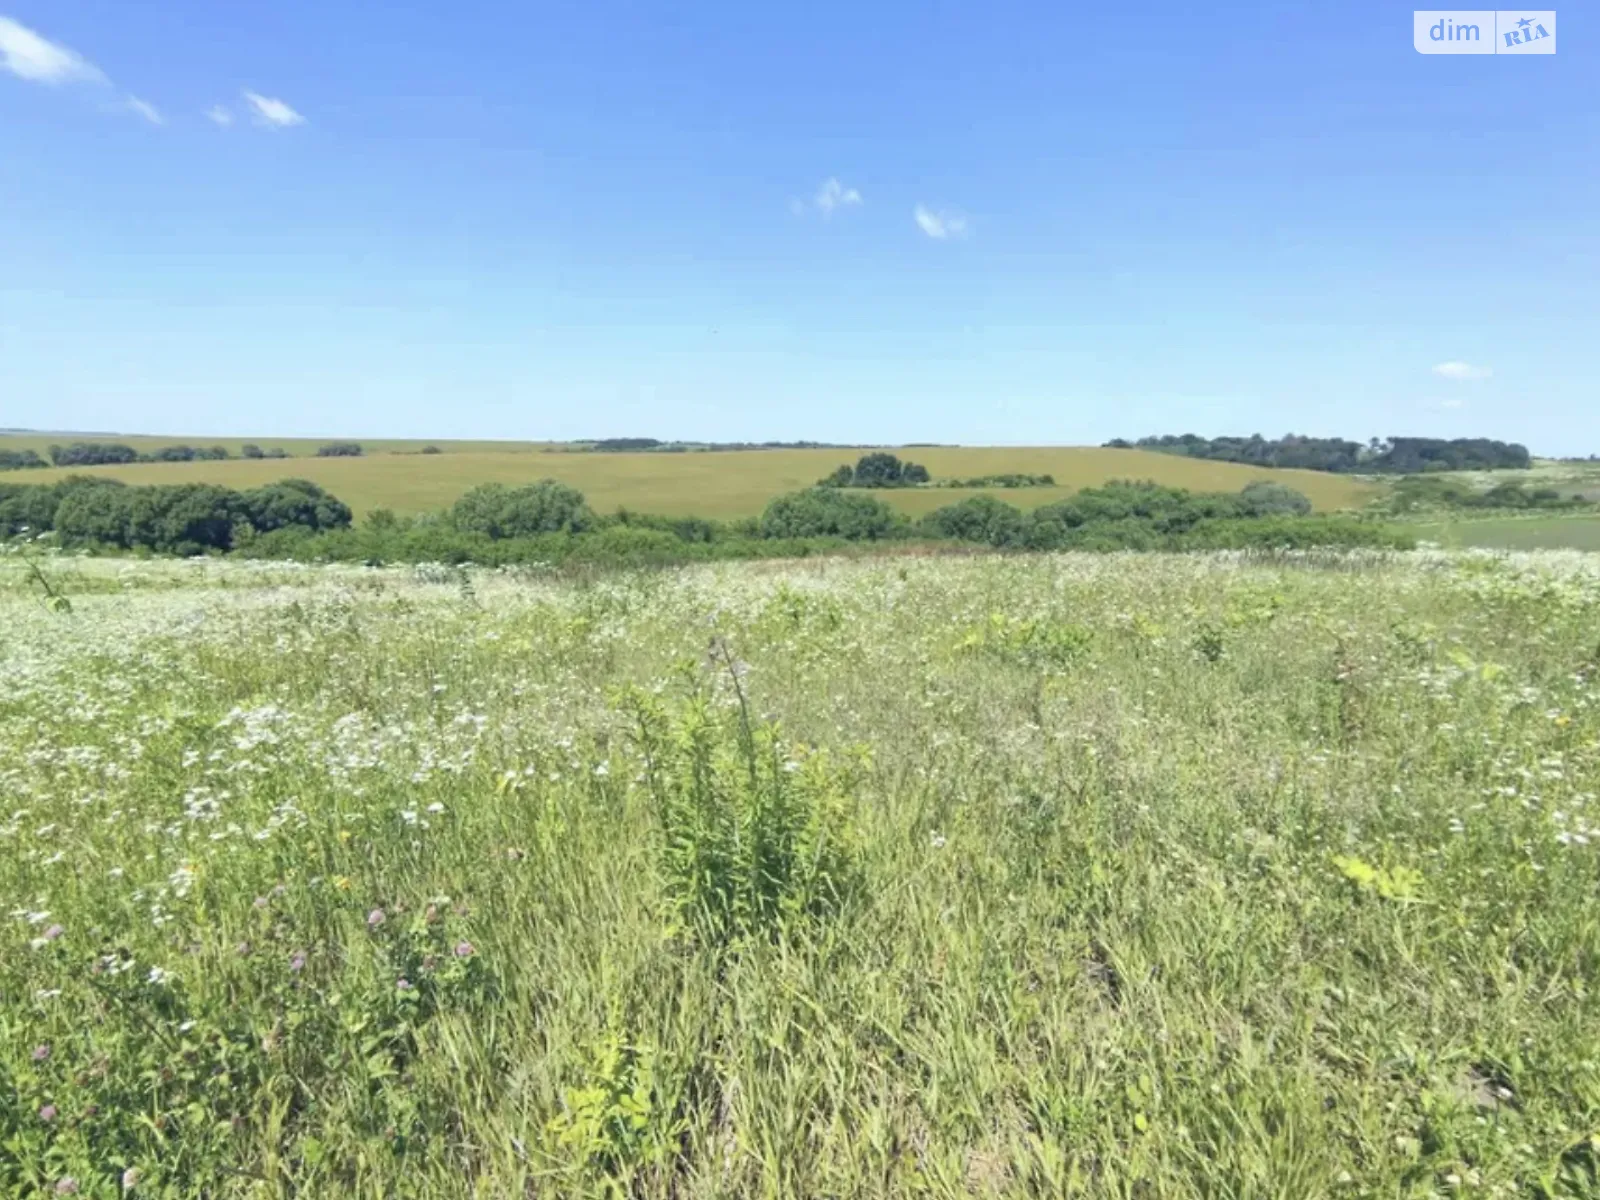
{"x":1396,"y":456}
{"x":877,"y":470}
{"x":614,"y":445}
{"x":20,"y":460}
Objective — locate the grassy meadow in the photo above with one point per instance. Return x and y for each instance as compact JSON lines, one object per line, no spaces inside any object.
{"x":1566,"y":476}
{"x":1104,"y":876}
{"x":721,"y":484}
{"x":1533,"y":531}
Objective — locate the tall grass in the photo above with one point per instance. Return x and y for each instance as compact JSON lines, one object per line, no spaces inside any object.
{"x":1132,"y":876}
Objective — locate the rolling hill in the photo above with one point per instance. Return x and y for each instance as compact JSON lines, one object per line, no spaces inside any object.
{"x":720,"y":484}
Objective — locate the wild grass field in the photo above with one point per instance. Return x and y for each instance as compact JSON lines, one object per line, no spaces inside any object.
{"x":1566,"y":476}
{"x":1533,"y":531}
{"x":1104,"y":876}
{"x":720,"y":484}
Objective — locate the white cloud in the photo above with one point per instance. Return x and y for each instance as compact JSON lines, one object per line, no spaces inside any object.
{"x":833,"y":194}
{"x":220,"y":115}
{"x":146,"y":110}
{"x":939,"y":225}
{"x":28,"y":56}
{"x":273,"y":112}
{"x":1460,"y":371}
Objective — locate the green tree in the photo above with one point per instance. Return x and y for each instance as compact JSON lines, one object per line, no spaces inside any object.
{"x":827,"y":512}
{"x":29,"y":508}
{"x":879,"y":470}
{"x":978,"y":519}
{"x":95,"y":516}
{"x":20,"y":460}
{"x":293,"y":502}
{"x":189,"y":518}
{"x":92,"y":454}
{"x":1266,"y":499}
{"x":498,"y":511}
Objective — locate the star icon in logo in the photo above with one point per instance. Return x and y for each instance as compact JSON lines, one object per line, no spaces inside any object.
{"x":1525,"y":22}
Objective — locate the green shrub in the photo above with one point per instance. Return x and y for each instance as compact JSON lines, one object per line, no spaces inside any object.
{"x":1295,"y":533}
{"x":20,"y":460}
{"x":498,"y":511}
{"x":756,"y":833}
{"x":293,"y":502}
{"x":174,"y":453}
{"x":628,"y":545}
{"x":878,"y":470}
{"x":1009,"y":480}
{"x":828,"y":512}
{"x":33,"y":507}
{"x":688,"y":529}
{"x":92,"y":454}
{"x":623,"y":1120}
{"x":978,"y":519}
{"x":189,"y":518}
{"x":1267,"y":499}
{"x":94,"y":515}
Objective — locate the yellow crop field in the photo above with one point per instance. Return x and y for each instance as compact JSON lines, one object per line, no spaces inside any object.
{"x":293,"y":447}
{"x":721,"y":484}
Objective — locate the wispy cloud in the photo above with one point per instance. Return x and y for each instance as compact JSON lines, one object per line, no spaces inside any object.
{"x":219,"y":115}
{"x":941,"y":225}
{"x":831,"y":196}
{"x":1460,"y":371}
{"x":28,"y":56}
{"x":272,"y":112}
{"x":146,"y":110}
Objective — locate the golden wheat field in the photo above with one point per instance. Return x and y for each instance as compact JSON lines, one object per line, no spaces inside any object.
{"x":722,"y":484}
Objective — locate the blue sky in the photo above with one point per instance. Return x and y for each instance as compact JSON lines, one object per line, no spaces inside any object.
{"x":1048,"y":224}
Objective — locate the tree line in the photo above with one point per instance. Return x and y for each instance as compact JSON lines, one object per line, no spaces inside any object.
{"x":1010,"y":479}
{"x":111,"y":454}
{"x":549,"y":521}
{"x":636,"y":444}
{"x":185,"y":518}
{"x":881,"y":469}
{"x":1394,"y":456}
{"x":1424,"y":493}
